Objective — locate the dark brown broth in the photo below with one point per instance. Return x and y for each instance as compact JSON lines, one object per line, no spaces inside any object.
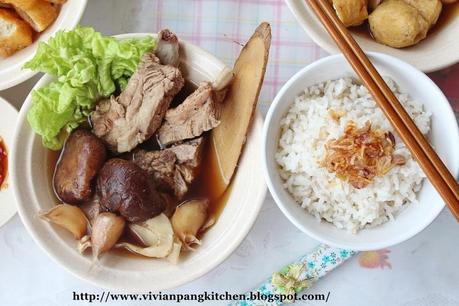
{"x":362,"y":30}
{"x":448,"y":13}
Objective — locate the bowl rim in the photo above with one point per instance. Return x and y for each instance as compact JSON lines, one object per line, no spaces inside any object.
{"x":257,"y":125}
{"x":19,"y":75}
{"x":329,"y":46}
{"x":273,"y":188}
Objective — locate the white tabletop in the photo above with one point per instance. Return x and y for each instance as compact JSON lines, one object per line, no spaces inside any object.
{"x":423,"y":270}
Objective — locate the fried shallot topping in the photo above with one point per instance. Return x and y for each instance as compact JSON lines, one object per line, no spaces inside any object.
{"x":361,"y":154}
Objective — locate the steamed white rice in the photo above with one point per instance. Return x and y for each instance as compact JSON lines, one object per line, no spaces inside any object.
{"x":308,"y":126}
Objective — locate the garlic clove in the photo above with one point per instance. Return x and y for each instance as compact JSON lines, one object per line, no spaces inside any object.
{"x":174,"y":256}
{"x":189,"y":217}
{"x":91,"y":209}
{"x":155,"y":233}
{"x":209,"y":223}
{"x":106,"y":231}
{"x":69,"y":217}
{"x":159,"y":251}
{"x":83,"y":244}
{"x":153,"y":230}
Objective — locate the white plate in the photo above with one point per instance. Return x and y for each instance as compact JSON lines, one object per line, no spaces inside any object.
{"x":11,"y":72}
{"x":444,"y":137}
{"x":34,"y":193}
{"x":439,"y":50}
{"x":8,"y":120}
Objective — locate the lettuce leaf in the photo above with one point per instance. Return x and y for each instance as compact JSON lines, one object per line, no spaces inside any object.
{"x":87,"y":67}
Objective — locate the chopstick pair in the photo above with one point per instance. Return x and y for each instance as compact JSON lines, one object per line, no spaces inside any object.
{"x":433,"y":167}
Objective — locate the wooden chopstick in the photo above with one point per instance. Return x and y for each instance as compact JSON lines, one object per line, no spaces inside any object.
{"x":420,"y":139}
{"x":429,"y":161}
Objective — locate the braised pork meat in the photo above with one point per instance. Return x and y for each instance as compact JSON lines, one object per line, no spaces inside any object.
{"x":199,"y":112}
{"x":135,"y":115}
{"x":172,"y":169}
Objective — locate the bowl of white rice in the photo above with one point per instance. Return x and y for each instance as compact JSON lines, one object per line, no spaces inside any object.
{"x":337,"y":168}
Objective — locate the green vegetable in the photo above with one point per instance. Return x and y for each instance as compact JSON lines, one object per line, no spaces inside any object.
{"x":87,"y":67}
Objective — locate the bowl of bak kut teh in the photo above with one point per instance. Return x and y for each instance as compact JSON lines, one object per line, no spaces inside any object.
{"x":130,"y":170}
{"x":420,"y":32}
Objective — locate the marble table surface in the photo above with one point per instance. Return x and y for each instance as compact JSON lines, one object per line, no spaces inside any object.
{"x":421,"y":271}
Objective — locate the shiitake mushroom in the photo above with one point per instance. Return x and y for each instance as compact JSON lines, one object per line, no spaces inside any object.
{"x":126,"y":189}
{"x":82,"y":157}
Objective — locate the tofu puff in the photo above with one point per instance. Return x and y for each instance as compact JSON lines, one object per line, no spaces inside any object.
{"x":398,"y":24}
{"x":429,"y":9}
{"x":15,"y":33}
{"x":351,"y":12}
{"x":372,"y":4}
{"x":38,"y":13}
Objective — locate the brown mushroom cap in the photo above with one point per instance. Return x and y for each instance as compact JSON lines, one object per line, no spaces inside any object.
{"x":83,"y":156}
{"x":126,"y":189}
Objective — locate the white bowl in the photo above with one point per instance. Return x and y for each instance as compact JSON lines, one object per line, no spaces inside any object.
{"x":11,"y":72}
{"x":33,"y":192}
{"x":444,"y":137}
{"x":439,"y":50}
